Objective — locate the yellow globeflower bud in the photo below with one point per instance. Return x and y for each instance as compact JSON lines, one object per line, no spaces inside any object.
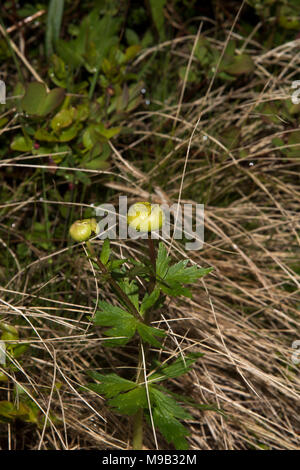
{"x":81,"y":230}
{"x":145,"y":217}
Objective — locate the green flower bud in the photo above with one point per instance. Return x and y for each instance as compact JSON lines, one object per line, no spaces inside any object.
{"x":81,"y":230}
{"x":145,"y":217}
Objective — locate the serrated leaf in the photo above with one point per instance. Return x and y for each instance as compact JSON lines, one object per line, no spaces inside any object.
{"x":191,"y":402}
{"x":149,"y":300}
{"x":166,"y":415}
{"x":110,"y":384}
{"x":167,"y":404}
{"x":170,"y":279}
{"x":172,"y":430}
{"x":178,"y":367}
{"x":115,"y":264}
{"x":122,"y":323}
{"x":129,"y":403}
{"x":187,"y":275}
{"x":69,"y":53}
{"x":131,"y":290}
{"x":148,"y":333}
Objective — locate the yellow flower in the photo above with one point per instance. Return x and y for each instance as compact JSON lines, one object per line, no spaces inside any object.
{"x":145,"y":217}
{"x":81,"y":230}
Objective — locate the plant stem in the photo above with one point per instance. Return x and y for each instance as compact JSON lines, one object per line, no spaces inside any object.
{"x":137,"y":440}
{"x":138,"y":418}
{"x":152,"y":256}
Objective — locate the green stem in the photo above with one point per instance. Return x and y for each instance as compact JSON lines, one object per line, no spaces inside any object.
{"x":137,"y":440}
{"x":152,"y":256}
{"x":138,"y":418}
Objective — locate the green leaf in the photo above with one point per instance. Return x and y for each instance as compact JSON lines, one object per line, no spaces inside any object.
{"x":111,"y":384}
{"x":69,"y":134}
{"x":131,"y":52}
{"x":7,"y":411}
{"x":167,"y":404}
{"x":38,"y":102}
{"x":148,"y":333}
{"x":288,"y":17}
{"x":191,"y":402}
{"x":9,"y":336}
{"x":190,"y":77}
{"x":131,"y":37}
{"x":44,"y":135}
{"x":28,"y":412}
{"x":21,"y":143}
{"x":19,"y":350}
{"x":162,"y":261}
{"x":180,"y":273}
{"x":96,"y":164}
{"x":121,"y":322}
{"x":125,"y":396}
{"x":166,"y":415}
{"x":277,"y":142}
{"x":69,"y":53}
{"x":9,"y":328}
{"x":170,"y":279}
{"x":129,"y":403}
{"x":149,"y":300}
{"x":3,"y":378}
{"x":157,"y":12}
{"x":57,"y":71}
{"x":54,"y":18}
{"x":178,"y":367}
{"x":172,"y":430}
{"x":62,"y":119}
{"x":241,"y":64}
{"x":115,"y":264}
{"x":131,"y":290}
{"x":107,"y":133}
{"x":294,"y":139}
{"x":105,"y":252}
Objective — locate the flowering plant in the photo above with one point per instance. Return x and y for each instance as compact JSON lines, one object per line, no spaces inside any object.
{"x":144,"y":397}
